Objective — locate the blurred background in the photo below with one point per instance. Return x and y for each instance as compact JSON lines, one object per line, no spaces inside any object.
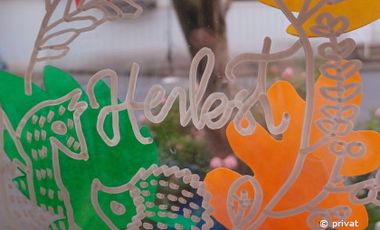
{"x":163,"y":40}
{"x":163,"y":43}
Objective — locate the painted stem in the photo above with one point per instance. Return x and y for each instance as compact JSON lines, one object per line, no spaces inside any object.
{"x":310,"y":101}
{"x":36,"y":49}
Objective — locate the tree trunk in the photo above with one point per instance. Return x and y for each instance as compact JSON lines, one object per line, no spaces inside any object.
{"x":203,"y":24}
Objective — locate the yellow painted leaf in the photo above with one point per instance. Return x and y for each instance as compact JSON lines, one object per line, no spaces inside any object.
{"x":359,"y":13}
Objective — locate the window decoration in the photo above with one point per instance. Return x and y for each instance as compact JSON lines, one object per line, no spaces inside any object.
{"x":74,"y":158}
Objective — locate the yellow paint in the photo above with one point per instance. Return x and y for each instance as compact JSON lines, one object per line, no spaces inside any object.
{"x":358,"y":12}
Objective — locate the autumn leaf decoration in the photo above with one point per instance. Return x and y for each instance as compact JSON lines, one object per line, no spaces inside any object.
{"x":294,"y":186}
{"x":360,"y":12}
{"x":58,"y":32}
{"x":113,"y":165}
{"x":117,"y":187}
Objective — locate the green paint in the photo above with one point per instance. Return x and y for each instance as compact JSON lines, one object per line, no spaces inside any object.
{"x":114,"y":166}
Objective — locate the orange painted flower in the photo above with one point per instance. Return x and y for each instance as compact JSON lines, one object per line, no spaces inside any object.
{"x":272,"y":161}
{"x":359,"y":13}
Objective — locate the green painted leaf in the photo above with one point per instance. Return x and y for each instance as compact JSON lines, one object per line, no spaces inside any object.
{"x":114,"y":166}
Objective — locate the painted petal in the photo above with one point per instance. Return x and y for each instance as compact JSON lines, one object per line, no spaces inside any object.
{"x":218,"y":183}
{"x":265,"y":156}
{"x":321,"y":102}
{"x":359,"y":212}
{"x":272,"y":170}
{"x":299,"y":220}
{"x":285,"y":99}
{"x":359,"y":13}
{"x":369,"y":161}
{"x":272,"y":160}
{"x":313,"y":177}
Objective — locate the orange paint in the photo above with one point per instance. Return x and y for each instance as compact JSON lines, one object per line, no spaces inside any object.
{"x":272,"y":160}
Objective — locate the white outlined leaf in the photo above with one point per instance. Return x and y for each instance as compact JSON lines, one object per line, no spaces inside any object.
{"x":57,"y":40}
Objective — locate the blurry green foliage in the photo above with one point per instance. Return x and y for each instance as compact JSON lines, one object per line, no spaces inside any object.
{"x":182,"y":146}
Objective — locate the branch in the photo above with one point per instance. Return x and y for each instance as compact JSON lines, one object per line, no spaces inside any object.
{"x":310,"y":101}
{"x":109,"y":10}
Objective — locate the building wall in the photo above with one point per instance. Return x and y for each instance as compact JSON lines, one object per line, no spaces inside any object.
{"x":146,"y":40}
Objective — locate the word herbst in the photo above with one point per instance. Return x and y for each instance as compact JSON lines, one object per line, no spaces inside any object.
{"x":213,"y":112}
